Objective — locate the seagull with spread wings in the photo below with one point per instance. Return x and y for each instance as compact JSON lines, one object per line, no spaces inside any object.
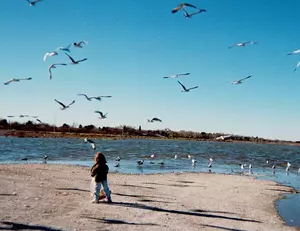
{"x":79,"y":45}
{"x":16,"y":80}
{"x":63,"y":105}
{"x":95,"y":97}
{"x":75,"y":62}
{"x":181,"y":6}
{"x":188,"y":15}
{"x":241,"y":80}
{"x":49,"y":54}
{"x":187,"y":89}
{"x":154,"y":120}
{"x":67,"y":48}
{"x":32,"y":3}
{"x":175,"y":76}
{"x":294,"y":52}
{"x":242,"y":44}
{"x":54,"y":66}
{"x":102,"y":116}
{"x":88,"y":140}
{"x":99,"y":98}
{"x":298,"y":64}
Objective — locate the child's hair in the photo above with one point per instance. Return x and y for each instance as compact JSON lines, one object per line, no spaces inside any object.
{"x":100,"y":158}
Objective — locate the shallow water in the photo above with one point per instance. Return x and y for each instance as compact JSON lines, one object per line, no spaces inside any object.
{"x":227,"y":157}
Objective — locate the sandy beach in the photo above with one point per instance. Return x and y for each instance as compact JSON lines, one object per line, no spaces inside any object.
{"x":57,"y":197}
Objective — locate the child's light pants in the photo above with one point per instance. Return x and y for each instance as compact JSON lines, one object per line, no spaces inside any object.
{"x":95,"y":189}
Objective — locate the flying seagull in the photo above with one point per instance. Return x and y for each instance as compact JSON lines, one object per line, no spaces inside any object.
{"x":181,"y":6}
{"x":32,"y":3}
{"x":22,"y":116}
{"x":188,"y":15}
{"x":102,"y":116}
{"x":91,"y":142}
{"x":67,"y":48}
{"x":53,"y":53}
{"x":294,"y":52}
{"x":78,"y":45}
{"x":39,"y":121}
{"x":154,"y":119}
{"x":241,"y":80}
{"x":223,"y":137}
{"x":242,"y":44}
{"x":88,"y":98}
{"x":298,"y":64}
{"x":186,"y":89}
{"x":100,"y":97}
{"x":54,"y":66}
{"x":16,"y":80}
{"x":95,"y":97}
{"x":175,"y":75}
{"x":64,"y":106}
{"x":75,"y":62}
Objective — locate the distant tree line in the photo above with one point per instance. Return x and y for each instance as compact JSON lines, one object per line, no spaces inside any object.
{"x":127,"y":131}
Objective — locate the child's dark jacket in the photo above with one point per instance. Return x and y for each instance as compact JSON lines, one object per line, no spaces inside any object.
{"x":100,"y":172}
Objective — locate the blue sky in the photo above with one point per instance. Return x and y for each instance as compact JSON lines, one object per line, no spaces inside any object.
{"x":133,"y":44}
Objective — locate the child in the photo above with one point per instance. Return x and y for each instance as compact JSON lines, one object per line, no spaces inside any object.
{"x":99,"y":173}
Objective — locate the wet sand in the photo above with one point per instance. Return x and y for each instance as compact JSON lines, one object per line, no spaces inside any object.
{"x":57,"y":197}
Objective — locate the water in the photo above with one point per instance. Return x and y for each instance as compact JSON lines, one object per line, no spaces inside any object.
{"x":227,"y":157}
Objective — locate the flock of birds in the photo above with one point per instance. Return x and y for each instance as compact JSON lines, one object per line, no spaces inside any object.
{"x":67,"y":50}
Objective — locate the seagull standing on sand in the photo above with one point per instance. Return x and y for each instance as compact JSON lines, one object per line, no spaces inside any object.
{"x":154,"y":120}
{"x":49,"y":54}
{"x":242,"y":44}
{"x":102,"y":116}
{"x":88,"y":140}
{"x":210,"y":163}
{"x":32,"y":3}
{"x":75,"y":62}
{"x":63,"y":105}
{"x":78,"y":45}
{"x":294,"y":52}
{"x":175,"y":76}
{"x":54,"y":66}
{"x":186,"y":89}
{"x":45,"y":159}
{"x":241,"y":80}
{"x":16,"y":80}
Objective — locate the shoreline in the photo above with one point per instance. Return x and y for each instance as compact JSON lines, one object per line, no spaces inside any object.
{"x":47,"y":134}
{"x":58,"y":196}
